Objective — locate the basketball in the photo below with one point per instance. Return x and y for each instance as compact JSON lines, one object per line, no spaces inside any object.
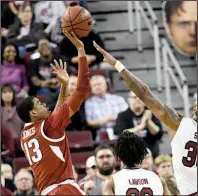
{"x":78,"y":20}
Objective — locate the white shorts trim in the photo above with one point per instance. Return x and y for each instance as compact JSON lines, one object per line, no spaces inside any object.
{"x":53,"y":186}
{"x":50,"y":139}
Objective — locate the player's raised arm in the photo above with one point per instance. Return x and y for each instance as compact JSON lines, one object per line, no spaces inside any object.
{"x":83,"y":82}
{"x":167,"y":115}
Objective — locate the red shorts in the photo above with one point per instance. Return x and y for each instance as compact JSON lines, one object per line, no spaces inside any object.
{"x":66,"y":189}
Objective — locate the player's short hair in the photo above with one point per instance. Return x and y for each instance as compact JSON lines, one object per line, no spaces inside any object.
{"x":170,"y":7}
{"x":162,"y":159}
{"x":24,"y":107}
{"x":130,"y":149}
{"x":103,"y":147}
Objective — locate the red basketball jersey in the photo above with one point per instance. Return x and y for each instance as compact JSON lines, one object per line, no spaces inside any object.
{"x":47,"y":149}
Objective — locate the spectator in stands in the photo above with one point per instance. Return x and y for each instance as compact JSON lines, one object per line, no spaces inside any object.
{"x":9,"y":117}
{"x":78,"y":119}
{"x":147,"y":163}
{"x":90,"y":169}
{"x":48,"y":12}
{"x":181,"y":16}
{"x":93,"y":56}
{"x":7,"y":173}
{"x":4,"y":190}
{"x":106,"y":164}
{"x":13,"y":73}
{"x":102,"y":108}
{"x":140,"y":121}
{"x":24,"y":183}
{"x":40,"y":77}
{"x":25,"y":31}
{"x":7,"y":145}
{"x":164,"y":165}
{"x":172,"y":185}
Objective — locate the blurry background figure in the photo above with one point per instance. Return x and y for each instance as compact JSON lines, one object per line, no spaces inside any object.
{"x":7,"y":173}
{"x":142,"y":122}
{"x":106,"y":164}
{"x":75,"y":172}
{"x":164,"y":165}
{"x":93,"y":56}
{"x":102,"y":108}
{"x":172,"y":186}
{"x":148,"y":161}
{"x":4,"y":190}
{"x":14,"y":73}
{"x":10,"y":118}
{"x":24,"y":183}
{"x":181,"y":16}
{"x":48,"y":12}
{"x":78,"y":119}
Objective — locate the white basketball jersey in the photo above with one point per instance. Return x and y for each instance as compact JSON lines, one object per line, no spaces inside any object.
{"x":137,"y":182}
{"x":184,"y":150}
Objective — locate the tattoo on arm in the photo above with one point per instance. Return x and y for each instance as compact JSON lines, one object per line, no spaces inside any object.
{"x":64,"y":93}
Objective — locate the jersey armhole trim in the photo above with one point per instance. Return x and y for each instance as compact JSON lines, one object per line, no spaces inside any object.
{"x":50,"y":139}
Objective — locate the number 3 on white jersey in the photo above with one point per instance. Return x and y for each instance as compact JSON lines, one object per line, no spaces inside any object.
{"x":33,"y":143}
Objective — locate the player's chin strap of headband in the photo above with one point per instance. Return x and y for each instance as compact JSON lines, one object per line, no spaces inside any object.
{"x":119,"y":66}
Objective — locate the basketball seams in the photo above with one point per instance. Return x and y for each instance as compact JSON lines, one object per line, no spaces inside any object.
{"x":78,"y":22}
{"x":82,"y":29}
{"x":76,"y":15}
{"x":70,"y":20}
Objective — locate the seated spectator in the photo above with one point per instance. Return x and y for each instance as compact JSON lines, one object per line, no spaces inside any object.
{"x":140,"y":121}
{"x":10,"y":118}
{"x":40,"y":77}
{"x":24,"y":183}
{"x":48,"y":12}
{"x":4,"y":190}
{"x":13,"y":73}
{"x":164,"y":165}
{"x":93,"y":56}
{"x":25,"y":31}
{"x":106,"y":164}
{"x":102,"y":108}
{"x":78,"y":119}
{"x":147,"y":163}
{"x":7,"y":145}
{"x":90,"y":169}
{"x":7,"y":173}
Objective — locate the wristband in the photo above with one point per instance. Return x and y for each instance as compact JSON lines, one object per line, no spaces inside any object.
{"x":119,"y":66}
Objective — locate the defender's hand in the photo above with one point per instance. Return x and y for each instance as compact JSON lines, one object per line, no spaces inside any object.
{"x":107,"y":57}
{"x":72,"y":37}
{"x":60,"y":70}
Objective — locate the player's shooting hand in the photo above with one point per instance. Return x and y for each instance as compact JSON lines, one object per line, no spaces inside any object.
{"x":107,"y":57}
{"x":72,"y":37}
{"x":60,"y":70}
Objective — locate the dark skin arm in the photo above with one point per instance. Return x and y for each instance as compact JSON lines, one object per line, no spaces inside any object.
{"x":108,"y":187}
{"x":164,"y":113}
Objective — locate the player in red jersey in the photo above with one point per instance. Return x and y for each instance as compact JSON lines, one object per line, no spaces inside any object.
{"x":43,"y":138}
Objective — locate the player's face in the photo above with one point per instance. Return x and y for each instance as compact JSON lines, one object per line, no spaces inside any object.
{"x":7,"y":95}
{"x":195,"y":110}
{"x":72,"y":84}
{"x":135,"y":104}
{"x":40,"y":109}
{"x":24,"y":181}
{"x":98,"y":87}
{"x":165,"y":169}
{"x":183,"y":27}
{"x":105,"y":161}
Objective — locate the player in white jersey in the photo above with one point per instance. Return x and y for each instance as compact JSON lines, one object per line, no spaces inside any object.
{"x":184,"y":159}
{"x":131,"y":150}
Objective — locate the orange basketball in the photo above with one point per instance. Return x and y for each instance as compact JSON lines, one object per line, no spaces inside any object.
{"x":78,"y":20}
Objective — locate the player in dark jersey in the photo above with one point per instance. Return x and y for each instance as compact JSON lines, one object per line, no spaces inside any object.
{"x":43,"y":138}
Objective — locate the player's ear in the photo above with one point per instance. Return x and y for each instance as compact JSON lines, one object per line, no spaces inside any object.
{"x":32,"y":113}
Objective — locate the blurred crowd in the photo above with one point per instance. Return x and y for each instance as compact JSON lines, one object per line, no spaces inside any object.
{"x":31,"y":38}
